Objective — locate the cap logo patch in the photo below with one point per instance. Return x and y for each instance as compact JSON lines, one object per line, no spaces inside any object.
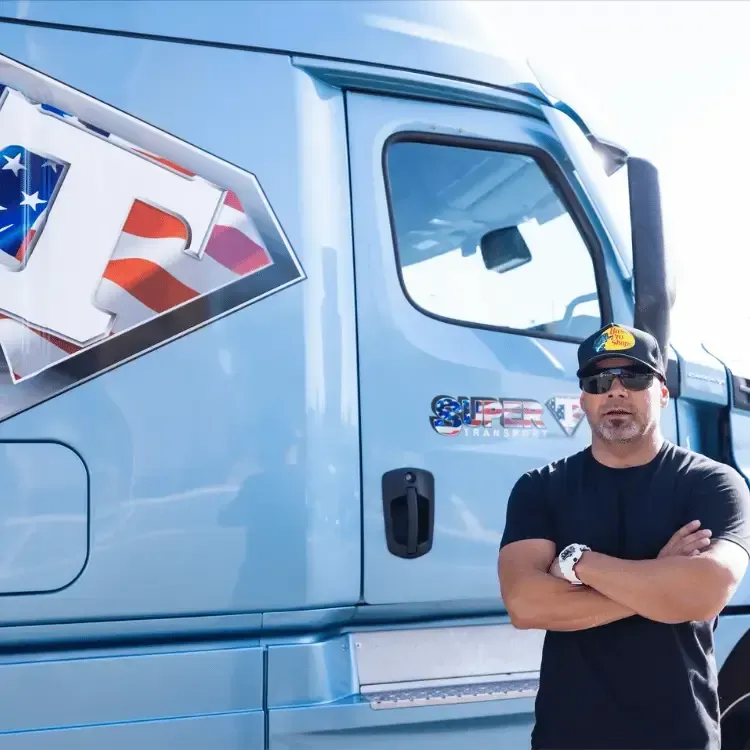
{"x":614,"y":339}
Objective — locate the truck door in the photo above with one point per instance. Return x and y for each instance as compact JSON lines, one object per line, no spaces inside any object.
{"x":477,"y":274}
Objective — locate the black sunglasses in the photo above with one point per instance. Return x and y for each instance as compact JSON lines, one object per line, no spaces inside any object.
{"x":632,"y":379}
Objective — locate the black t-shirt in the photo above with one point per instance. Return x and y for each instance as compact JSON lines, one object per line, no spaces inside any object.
{"x":634,"y":683}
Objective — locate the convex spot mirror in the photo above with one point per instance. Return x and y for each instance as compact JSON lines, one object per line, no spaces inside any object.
{"x":504,"y":249}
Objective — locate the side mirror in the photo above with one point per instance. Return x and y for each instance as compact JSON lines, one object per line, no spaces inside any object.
{"x":504,"y":249}
{"x":654,"y":292}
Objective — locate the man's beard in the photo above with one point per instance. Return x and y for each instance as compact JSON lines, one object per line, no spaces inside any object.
{"x":620,"y":429}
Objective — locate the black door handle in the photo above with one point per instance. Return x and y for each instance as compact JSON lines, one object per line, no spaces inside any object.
{"x":409,"y":511}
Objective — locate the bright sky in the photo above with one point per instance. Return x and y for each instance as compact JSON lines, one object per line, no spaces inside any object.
{"x":673,"y":76}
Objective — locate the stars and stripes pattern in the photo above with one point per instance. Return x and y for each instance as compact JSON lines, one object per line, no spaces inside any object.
{"x":27,"y":183}
{"x":454,"y":415}
{"x":450,"y":415}
{"x":567,"y":411}
{"x":148,"y":273}
{"x":508,"y":413}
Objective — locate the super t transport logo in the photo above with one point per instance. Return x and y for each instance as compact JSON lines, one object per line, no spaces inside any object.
{"x":504,"y":417}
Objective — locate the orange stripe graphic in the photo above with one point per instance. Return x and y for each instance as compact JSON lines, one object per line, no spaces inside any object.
{"x":147,"y":221}
{"x":148,"y":283}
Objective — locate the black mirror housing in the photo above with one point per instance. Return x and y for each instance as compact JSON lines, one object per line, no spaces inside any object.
{"x":504,"y":249}
{"x":654,"y":292}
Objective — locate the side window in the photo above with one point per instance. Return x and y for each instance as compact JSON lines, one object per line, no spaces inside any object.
{"x":484,"y":238}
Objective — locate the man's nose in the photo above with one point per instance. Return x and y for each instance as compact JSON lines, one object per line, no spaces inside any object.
{"x":618,"y":389}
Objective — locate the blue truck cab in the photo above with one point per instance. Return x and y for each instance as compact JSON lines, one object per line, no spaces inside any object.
{"x":290,"y":296}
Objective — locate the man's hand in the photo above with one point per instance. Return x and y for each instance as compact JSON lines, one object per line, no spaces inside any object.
{"x":687,"y":541}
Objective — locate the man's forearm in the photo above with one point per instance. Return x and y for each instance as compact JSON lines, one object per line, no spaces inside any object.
{"x":545,"y":602}
{"x":669,"y":589}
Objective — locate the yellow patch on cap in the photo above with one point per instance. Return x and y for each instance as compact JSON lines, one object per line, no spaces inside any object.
{"x":614,"y":339}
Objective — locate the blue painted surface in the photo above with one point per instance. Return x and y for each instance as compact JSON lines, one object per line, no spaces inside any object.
{"x":225,"y":465}
{"x":740,"y":426}
{"x":703,"y":376}
{"x":304,"y":674}
{"x":76,"y":689}
{"x":44,"y":517}
{"x":235,"y":730}
{"x":226,"y":499}
{"x":415,"y":35}
{"x":169,"y":696}
{"x":350,"y":723}
{"x":395,"y":81}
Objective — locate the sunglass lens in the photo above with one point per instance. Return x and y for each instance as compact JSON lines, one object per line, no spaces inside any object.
{"x":598,"y":384}
{"x":636,"y":381}
{"x":601,"y":382}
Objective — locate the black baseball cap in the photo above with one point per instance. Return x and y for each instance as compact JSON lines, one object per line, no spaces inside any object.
{"x":615,"y":340}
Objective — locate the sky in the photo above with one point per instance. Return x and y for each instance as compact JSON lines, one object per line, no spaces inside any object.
{"x":672,"y":77}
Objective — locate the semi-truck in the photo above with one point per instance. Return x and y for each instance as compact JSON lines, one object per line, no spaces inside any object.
{"x":290,"y":296}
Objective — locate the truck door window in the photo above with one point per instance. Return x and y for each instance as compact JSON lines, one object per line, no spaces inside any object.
{"x":484,"y":238}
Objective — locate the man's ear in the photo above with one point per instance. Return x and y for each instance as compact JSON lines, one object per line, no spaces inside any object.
{"x":664,"y":395}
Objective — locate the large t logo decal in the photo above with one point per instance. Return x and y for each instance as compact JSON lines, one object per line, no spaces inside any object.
{"x":98,"y":236}
{"x":93,"y":187}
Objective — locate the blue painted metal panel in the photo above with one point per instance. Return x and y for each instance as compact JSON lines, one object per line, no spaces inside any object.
{"x":225,"y":464}
{"x":305,"y":674}
{"x":475,"y":469}
{"x":349,"y":723}
{"x":703,"y":376}
{"x":104,"y":632}
{"x":706,"y":402}
{"x":44,"y":517}
{"x":307,"y":620}
{"x":238,"y":731}
{"x":739,"y":427}
{"x":55,"y":690}
{"x":170,"y":696}
{"x":398,"y":81}
{"x":420,"y":36}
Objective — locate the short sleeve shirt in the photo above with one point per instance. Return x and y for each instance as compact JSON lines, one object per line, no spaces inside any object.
{"x":634,"y":683}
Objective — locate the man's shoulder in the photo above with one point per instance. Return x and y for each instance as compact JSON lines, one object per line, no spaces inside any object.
{"x":697,"y":467}
{"x":557,"y":469}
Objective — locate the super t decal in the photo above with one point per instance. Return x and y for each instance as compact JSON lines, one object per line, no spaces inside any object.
{"x":503,"y":417}
{"x":107,"y":247}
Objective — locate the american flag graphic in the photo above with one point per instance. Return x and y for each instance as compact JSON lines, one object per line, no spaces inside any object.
{"x":524,"y":414}
{"x":27,"y":184}
{"x":148,"y":273}
{"x":487,"y":412}
{"x":567,"y":411}
{"x":450,"y":415}
{"x":453,"y":414}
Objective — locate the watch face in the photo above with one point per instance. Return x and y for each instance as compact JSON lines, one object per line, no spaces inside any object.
{"x":567,"y":553}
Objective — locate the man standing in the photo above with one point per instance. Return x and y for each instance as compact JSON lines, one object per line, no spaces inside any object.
{"x":625,"y":553}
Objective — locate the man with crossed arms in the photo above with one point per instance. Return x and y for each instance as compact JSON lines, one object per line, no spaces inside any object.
{"x":625,"y":553}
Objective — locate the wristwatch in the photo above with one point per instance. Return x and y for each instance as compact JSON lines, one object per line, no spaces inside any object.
{"x":568,"y":559}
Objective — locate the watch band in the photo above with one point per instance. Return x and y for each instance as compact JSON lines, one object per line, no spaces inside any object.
{"x":568,"y":559}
